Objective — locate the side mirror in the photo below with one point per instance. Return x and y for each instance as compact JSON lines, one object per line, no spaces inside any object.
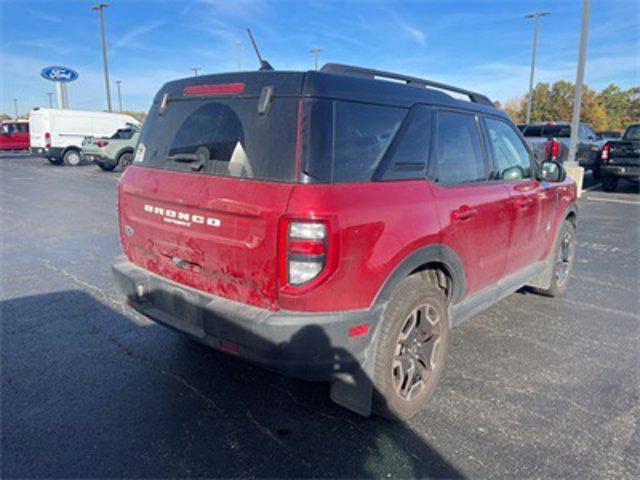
{"x":513,"y":173}
{"x":551,"y":171}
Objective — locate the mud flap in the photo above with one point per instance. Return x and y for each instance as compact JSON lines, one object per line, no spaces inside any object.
{"x":354,"y":391}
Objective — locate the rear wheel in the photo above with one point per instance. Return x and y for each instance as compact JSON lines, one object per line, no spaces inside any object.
{"x":609,"y":183}
{"x":125,"y":160}
{"x":412,"y":348}
{"x":72,"y":158}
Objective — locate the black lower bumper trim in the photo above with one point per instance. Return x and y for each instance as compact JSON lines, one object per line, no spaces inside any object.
{"x":313,"y":346}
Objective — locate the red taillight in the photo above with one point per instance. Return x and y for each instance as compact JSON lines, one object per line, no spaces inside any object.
{"x":552,"y":148}
{"x":102,"y":143}
{"x":303,"y":251}
{"x":219,"y":89}
{"x":47,"y":140}
{"x":604,"y":155}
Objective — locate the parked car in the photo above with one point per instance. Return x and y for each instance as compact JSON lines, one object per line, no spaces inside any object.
{"x":14,"y":135}
{"x":550,"y":140}
{"x":621,"y":158}
{"x":111,"y":151}
{"x":334,"y":225}
{"x":58,"y":134}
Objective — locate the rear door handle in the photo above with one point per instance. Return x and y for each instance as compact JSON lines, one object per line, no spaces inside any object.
{"x":463,"y":213}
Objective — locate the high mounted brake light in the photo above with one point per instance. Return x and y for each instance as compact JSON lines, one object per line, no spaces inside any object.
{"x":217,"y":89}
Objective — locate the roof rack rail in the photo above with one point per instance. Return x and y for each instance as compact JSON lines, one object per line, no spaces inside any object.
{"x":421,"y":82}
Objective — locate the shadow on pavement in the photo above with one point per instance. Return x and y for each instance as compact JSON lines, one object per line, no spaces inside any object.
{"x":89,"y":392}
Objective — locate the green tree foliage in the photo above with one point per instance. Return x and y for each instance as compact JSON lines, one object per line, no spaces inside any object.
{"x":610,"y":109}
{"x":4,"y":116}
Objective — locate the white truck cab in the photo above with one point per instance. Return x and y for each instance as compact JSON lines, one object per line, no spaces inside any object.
{"x":58,"y":134}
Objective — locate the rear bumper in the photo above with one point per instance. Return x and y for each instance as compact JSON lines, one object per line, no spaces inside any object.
{"x":94,"y":157}
{"x":631,"y":172}
{"x":53,"y":152}
{"x":313,"y":346}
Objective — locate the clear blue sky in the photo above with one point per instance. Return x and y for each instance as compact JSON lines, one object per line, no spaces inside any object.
{"x":481,"y":45}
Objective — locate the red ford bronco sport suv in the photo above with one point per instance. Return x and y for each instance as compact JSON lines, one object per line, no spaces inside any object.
{"x":334,"y":225}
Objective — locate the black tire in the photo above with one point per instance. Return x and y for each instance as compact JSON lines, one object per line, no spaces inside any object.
{"x":107,"y":167}
{"x":72,"y":157}
{"x":609,"y":183}
{"x":403,"y":381}
{"x":563,"y":257}
{"x":55,"y":161}
{"x":125,"y":159}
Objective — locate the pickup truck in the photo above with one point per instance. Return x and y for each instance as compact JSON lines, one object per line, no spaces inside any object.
{"x":550,"y":141}
{"x":621,"y":158}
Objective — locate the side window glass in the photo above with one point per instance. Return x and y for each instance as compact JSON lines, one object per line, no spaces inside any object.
{"x":458,"y":157}
{"x":361,"y":136}
{"x":510,"y":156}
{"x":410,"y":149}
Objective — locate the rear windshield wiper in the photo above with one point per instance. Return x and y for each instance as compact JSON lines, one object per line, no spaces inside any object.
{"x":189,"y":158}
{"x":185,"y":157}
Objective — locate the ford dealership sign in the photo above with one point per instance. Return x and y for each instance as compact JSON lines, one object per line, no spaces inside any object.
{"x":59,"y":74}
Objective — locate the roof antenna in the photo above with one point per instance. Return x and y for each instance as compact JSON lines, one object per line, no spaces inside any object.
{"x":264,"y":65}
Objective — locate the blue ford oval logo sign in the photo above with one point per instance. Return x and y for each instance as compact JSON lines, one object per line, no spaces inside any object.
{"x":59,"y":74}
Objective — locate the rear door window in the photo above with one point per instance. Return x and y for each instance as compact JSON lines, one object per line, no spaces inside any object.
{"x":224,"y":138}
{"x":459,"y":157}
{"x":406,"y":158}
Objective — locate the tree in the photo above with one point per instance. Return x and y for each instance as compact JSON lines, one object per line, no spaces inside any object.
{"x":4,"y":116}
{"x":513,"y":108}
{"x":610,"y":109}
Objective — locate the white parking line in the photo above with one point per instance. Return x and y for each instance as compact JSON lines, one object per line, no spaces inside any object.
{"x":612,"y":200}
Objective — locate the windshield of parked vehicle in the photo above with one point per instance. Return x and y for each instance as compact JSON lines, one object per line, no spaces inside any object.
{"x":632,"y":133}
{"x":223,"y":138}
{"x":8,"y":128}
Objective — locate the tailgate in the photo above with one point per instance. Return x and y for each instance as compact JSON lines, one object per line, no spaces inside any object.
{"x":215,"y":234}
{"x":625,"y":153}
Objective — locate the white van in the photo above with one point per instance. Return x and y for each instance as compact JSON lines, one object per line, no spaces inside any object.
{"x":58,"y":134}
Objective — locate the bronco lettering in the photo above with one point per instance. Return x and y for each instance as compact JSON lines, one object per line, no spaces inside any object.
{"x":185,"y":218}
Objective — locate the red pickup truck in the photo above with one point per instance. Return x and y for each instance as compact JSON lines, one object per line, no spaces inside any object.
{"x":14,"y":136}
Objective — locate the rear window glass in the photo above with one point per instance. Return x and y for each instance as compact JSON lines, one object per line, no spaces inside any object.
{"x":632,"y":133}
{"x":558,"y":131}
{"x":224,"y":138}
{"x":345,"y":141}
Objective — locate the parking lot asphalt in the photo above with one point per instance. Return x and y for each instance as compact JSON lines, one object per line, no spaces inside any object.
{"x":534,"y":387}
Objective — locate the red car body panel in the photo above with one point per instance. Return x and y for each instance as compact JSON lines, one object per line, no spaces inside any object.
{"x":494,"y":228}
{"x":16,"y":139}
{"x":237,"y":260}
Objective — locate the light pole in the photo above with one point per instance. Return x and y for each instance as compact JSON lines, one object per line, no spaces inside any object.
{"x":239,"y":54}
{"x":118,"y":82}
{"x":50,"y":99}
{"x":573,"y":169}
{"x":535,"y":17}
{"x":15,"y":106}
{"x":99,"y":8}
{"x":315,"y":51}
{"x":195,"y":70}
